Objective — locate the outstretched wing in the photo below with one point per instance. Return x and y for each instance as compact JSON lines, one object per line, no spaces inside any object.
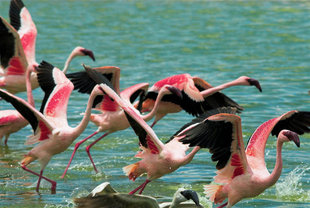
{"x":41,"y":127}
{"x":147,"y":136}
{"x":21,"y":20}
{"x":297,"y":121}
{"x":85,"y":81}
{"x":131,"y":93}
{"x":12,"y":57}
{"x":57,"y":90}
{"x":221,"y":134}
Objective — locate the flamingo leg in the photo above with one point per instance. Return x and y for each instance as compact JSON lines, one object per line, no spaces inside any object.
{"x":89,"y":146}
{"x":53,"y":188}
{"x":142,"y":186}
{"x":153,"y":124}
{"x":6,"y":140}
{"x":39,"y":181}
{"x":77,"y":145}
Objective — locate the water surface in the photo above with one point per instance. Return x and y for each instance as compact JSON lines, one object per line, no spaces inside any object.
{"x":150,"y":40}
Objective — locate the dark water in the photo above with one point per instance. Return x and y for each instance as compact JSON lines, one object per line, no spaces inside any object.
{"x":150,"y":40}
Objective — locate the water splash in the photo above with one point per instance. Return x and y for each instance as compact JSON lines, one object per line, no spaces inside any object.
{"x":290,"y":188}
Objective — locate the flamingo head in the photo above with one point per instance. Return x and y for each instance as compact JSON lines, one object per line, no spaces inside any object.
{"x":80,"y":51}
{"x":287,"y":135}
{"x":253,"y":82}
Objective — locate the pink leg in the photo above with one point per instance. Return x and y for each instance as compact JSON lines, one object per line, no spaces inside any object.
{"x":223,"y":205}
{"x":6,"y":140}
{"x":77,"y":145}
{"x":89,"y":146}
{"x":153,"y":124}
{"x":53,"y":188}
{"x":39,"y":181}
{"x":142,"y":186}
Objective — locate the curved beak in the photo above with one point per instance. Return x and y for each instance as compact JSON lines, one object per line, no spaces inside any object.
{"x":292,"y":136}
{"x":255,"y":83}
{"x":89,"y":53}
{"x":190,"y":194}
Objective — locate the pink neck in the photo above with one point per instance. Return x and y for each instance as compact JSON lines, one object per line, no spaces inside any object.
{"x":275,"y":175}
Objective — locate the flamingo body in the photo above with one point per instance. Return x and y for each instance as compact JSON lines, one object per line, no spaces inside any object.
{"x":17,"y":52}
{"x":243,"y":173}
{"x":111,"y":117}
{"x":157,"y":159}
{"x":50,"y":125}
{"x":198,"y":96}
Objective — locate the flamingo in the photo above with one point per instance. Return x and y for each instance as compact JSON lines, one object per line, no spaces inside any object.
{"x":105,"y":196}
{"x":242,"y":173}
{"x":50,"y":125}
{"x":112,"y":117}
{"x":158,"y":159}
{"x":15,"y":63}
{"x":18,"y":49}
{"x":198,"y":95}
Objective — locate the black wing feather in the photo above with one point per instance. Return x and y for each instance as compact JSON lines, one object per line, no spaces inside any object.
{"x":195,"y":108}
{"x":298,"y":122}
{"x":22,"y":109}
{"x":15,"y":8}
{"x":84,"y":83}
{"x":7,"y":44}
{"x":214,"y":135}
{"x":203,"y":116}
{"x":140,"y":132}
{"x":46,"y":81}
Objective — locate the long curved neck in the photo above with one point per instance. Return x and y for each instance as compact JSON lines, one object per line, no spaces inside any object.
{"x":68,"y":61}
{"x":151,"y":114}
{"x":275,"y":175}
{"x":213,"y":90}
{"x":83,"y":124}
{"x":28,"y":88}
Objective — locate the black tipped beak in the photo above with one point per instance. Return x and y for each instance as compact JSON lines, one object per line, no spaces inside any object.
{"x":89,"y":53}
{"x":255,"y":83}
{"x":190,"y":194}
{"x":292,"y":136}
{"x":175,"y":91}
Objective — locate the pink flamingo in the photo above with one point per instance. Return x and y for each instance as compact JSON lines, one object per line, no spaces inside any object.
{"x":18,"y":49}
{"x":15,"y":64}
{"x":243,"y":173}
{"x":50,"y":127}
{"x":158,"y":158}
{"x":198,"y":95}
{"x":112,"y":117}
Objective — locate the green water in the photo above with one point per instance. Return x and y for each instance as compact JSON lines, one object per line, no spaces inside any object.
{"x":150,"y":40}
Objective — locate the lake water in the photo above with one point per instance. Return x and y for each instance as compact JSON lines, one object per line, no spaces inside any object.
{"x":150,"y":40}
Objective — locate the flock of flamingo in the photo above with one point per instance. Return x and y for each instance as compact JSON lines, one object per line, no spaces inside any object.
{"x":241,"y":171}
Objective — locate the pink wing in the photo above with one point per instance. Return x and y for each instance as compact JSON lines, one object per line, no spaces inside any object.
{"x":183,"y":82}
{"x":57,"y":88}
{"x":13,"y":60}
{"x":8,"y":117}
{"x":297,"y":121}
{"x":41,"y":127}
{"x":21,"y":20}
